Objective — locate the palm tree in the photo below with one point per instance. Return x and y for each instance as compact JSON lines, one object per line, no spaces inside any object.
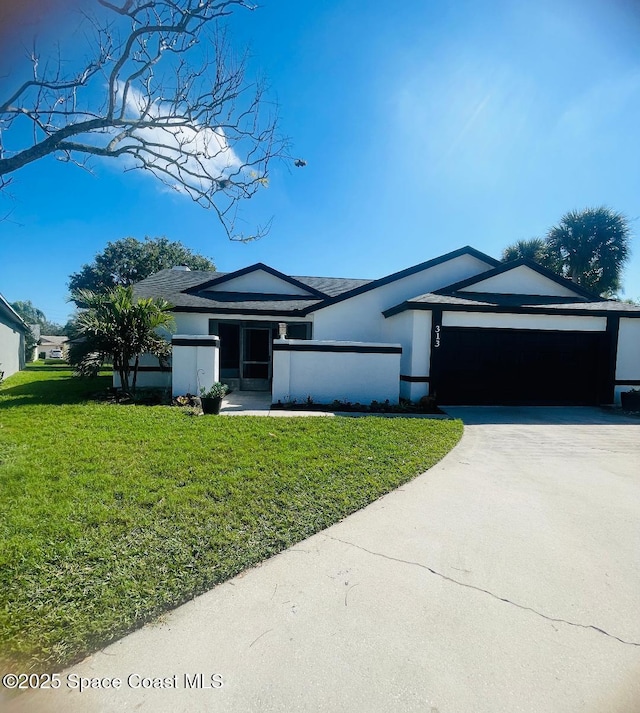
{"x":592,"y":246}
{"x":534,"y":249}
{"x":114,"y":326}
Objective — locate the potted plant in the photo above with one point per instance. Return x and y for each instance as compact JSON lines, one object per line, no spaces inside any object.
{"x":630,"y":400}
{"x":211,"y":399}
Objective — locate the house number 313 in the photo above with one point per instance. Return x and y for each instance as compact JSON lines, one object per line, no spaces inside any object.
{"x":437,"y":339}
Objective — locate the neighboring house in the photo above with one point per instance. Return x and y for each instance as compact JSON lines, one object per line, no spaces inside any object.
{"x":462,"y":327}
{"x":13,"y":330}
{"x":52,"y":343}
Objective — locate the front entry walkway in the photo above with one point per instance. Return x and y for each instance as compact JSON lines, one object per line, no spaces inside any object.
{"x":247,"y":403}
{"x":257,"y":403}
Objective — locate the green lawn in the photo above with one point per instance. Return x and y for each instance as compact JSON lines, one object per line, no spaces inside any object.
{"x":111,"y":514}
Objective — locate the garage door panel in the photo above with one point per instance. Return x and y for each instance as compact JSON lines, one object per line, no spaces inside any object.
{"x":508,"y":366}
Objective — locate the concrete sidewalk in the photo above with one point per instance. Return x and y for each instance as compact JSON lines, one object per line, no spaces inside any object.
{"x":505,"y":579}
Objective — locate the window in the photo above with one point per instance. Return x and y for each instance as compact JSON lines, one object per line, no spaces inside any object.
{"x":299,"y":330}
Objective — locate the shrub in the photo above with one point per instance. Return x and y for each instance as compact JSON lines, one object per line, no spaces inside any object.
{"x":217,"y":391}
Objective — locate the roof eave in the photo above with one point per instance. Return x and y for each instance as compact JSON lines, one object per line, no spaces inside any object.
{"x":232,"y":310}
{"x":509,"y":309}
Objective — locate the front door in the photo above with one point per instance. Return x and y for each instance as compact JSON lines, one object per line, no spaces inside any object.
{"x":255,"y":372}
{"x":246,"y":350}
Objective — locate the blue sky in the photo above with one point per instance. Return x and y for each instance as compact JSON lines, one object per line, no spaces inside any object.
{"x":425,"y":126}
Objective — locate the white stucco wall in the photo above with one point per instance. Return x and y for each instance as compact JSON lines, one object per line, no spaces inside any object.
{"x":628,"y":358}
{"x":198,"y":323}
{"x":195,"y":367}
{"x":421,"y":354}
{"x":191,"y":323}
{"x":524,"y":321}
{"x":521,"y":280}
{"x":412,"y":329}
{"x":11,"y":349}
{"x":149,"y":379}
{"x":399,"y":330}
{"x":360,"y":318}
{"x":327,"y":376}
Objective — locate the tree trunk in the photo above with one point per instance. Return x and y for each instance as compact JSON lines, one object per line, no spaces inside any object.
{"x":135,"y":373}
{"x":123,"y":371}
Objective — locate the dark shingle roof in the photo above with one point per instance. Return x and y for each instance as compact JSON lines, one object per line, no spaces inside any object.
{"x":333,"y":286}
{"x":53,"y":340}
{"x":490,"y":298}
{"x":171,"y":284}
{"x":179,"y":287}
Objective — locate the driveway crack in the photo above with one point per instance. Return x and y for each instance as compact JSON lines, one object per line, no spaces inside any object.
{"x":486,"y":591}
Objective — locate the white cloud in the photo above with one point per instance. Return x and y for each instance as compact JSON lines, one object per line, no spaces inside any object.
{"x":190,"y":154}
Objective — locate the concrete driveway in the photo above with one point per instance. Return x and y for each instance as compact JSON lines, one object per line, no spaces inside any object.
{"x":506,"y":578}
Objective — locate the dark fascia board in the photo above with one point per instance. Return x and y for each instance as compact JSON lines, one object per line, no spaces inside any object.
{"x":466,"y":250}
{"x":213,"y":311}
{"x":506,"y":309}
{"x":253,"y":268}
{"x":506,"y":266}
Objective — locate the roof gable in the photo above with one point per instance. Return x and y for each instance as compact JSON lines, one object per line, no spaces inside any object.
{"x":374,"y":284}
{"x":258,"y":279}
{"x":520,"y":277}
{"x":53,"y":340}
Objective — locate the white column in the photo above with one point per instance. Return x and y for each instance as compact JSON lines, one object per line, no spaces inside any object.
{"x":281,"y":381}
{"x":196,"y":363}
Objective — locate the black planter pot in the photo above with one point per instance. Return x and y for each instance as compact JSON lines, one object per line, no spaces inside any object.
{"x":211,"y":405}
{"x":630,"y":400}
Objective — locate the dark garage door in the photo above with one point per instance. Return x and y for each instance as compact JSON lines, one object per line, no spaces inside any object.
{"x":520,"y":366}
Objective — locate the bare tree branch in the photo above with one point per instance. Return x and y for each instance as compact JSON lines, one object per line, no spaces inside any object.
{"x":162,"y":91}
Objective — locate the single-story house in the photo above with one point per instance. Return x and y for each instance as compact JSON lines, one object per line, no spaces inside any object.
{"x":462,"y":327}
{"x":13,"y":330}
{"x":48,"y":343}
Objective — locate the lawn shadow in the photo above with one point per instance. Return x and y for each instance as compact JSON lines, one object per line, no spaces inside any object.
{"x":71,"y":390}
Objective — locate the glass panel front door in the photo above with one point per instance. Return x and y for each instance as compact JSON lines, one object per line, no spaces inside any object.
{"x":246,"y":350}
